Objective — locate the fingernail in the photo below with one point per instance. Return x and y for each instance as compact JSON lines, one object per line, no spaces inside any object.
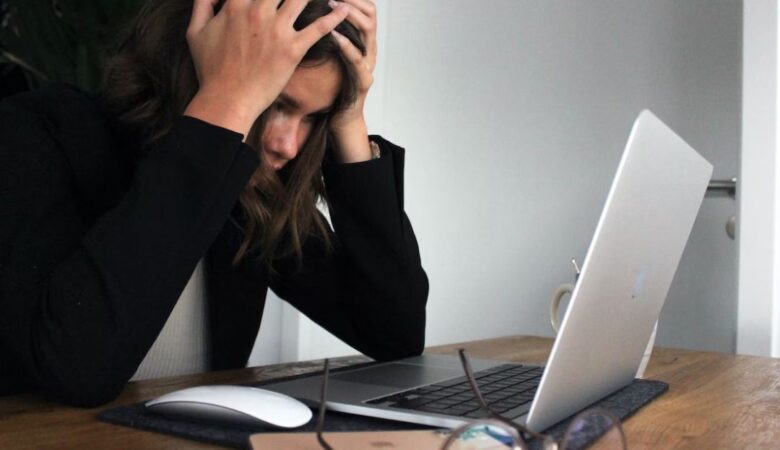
{"x":336,"y":34}
{"x":339,"y":6}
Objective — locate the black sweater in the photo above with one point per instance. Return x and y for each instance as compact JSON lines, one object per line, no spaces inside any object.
{"x":96,"y":246}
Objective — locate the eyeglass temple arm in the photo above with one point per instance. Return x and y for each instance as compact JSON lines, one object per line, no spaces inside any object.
{"x":321,"y":411}
{"x":473,"y":384}
{"x":483,"y":404}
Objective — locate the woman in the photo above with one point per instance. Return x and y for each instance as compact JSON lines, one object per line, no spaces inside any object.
{"x":211,"y":148}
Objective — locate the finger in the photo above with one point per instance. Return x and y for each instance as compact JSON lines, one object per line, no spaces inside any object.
{"x":358,"y":19}
{"x":348,"y":49}
{"x":202,"y":12}
{"x":367,"y":27}
{"x":367,"y":7}
{"x":322,"y":26}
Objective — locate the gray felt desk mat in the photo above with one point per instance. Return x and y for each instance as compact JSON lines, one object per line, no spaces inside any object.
{"x":622,"y":404}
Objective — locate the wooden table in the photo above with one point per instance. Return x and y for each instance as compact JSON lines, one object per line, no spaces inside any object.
{"x":715,"y":400}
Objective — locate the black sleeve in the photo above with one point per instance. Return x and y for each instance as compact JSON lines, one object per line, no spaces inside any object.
{"x":371,"y":290}
{"x":81,"y":305}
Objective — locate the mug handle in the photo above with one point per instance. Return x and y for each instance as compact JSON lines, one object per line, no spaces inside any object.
{"x":556,"y":303}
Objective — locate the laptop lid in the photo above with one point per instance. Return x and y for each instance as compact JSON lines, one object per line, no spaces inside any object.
{"x":629,"y":267}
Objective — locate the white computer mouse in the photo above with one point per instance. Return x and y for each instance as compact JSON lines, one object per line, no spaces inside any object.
{"x":233,"y":405}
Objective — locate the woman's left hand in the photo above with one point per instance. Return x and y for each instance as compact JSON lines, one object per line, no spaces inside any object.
{"x":349,"y":126}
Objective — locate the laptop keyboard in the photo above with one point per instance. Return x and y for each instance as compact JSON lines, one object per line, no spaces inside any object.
{"x":508,"y":389}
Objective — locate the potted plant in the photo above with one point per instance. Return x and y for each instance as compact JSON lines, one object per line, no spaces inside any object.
{"x":59,"y":40}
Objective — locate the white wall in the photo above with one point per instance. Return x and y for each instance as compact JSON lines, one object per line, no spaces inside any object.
{"x":514,"y":115}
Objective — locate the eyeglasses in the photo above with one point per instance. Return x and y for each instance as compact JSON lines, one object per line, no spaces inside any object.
{"x":594,"y":428}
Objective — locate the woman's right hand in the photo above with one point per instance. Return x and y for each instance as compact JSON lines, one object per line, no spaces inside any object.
{"x":245,"y":55}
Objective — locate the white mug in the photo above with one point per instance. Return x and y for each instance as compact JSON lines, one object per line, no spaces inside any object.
{"x":568,"y":288}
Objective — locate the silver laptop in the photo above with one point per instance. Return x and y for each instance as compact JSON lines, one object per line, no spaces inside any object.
{"x":640,"y":237}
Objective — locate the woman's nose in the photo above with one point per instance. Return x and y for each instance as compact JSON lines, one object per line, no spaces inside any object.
{"x":284,"y":141}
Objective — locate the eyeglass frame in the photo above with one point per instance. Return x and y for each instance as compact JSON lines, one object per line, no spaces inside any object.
{"x":518,"y":432}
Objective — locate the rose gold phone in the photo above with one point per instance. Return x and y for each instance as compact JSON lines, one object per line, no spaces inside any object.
{"x":396,"y":440}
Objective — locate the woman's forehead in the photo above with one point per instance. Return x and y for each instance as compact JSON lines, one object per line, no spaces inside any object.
{"x":313,"y":88}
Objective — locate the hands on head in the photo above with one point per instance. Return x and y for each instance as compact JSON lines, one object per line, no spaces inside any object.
{"x":245,"y":55}
{"x":349,"y":127}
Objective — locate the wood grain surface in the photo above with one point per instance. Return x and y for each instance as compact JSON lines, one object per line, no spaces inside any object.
{"x":715,"y":401}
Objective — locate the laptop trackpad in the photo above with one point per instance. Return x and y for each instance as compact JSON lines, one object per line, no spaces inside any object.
{"x":399,"y":375}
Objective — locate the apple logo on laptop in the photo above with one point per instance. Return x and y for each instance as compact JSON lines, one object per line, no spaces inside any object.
{"x":639,"y":282}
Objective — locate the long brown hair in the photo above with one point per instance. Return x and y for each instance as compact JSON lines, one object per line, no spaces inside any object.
{"x":150,"y":80}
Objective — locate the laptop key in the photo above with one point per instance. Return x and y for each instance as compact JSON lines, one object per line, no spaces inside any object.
{"x":459,"y":410}
{"x":517,"y":411}
{"x":436,"y":395}
{"x":530,"y":384}
{"x":476,"y":414}
{"x":439,"y":405}
{"x":429,"y":408}
{"x":452,"y":390}
{"x":500,"y":409}
{"x":449,"y":383}
{"x":412,"y":403}
{"x":513,"y":391}
{"x":504,"y":404}
{"x":516,"y":401}
{"x":449,"y":401}
{"x":489,"y":389}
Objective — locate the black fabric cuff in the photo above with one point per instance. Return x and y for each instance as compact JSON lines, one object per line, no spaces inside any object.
{"x":375,"y":180}
{"x":210,"y":138}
